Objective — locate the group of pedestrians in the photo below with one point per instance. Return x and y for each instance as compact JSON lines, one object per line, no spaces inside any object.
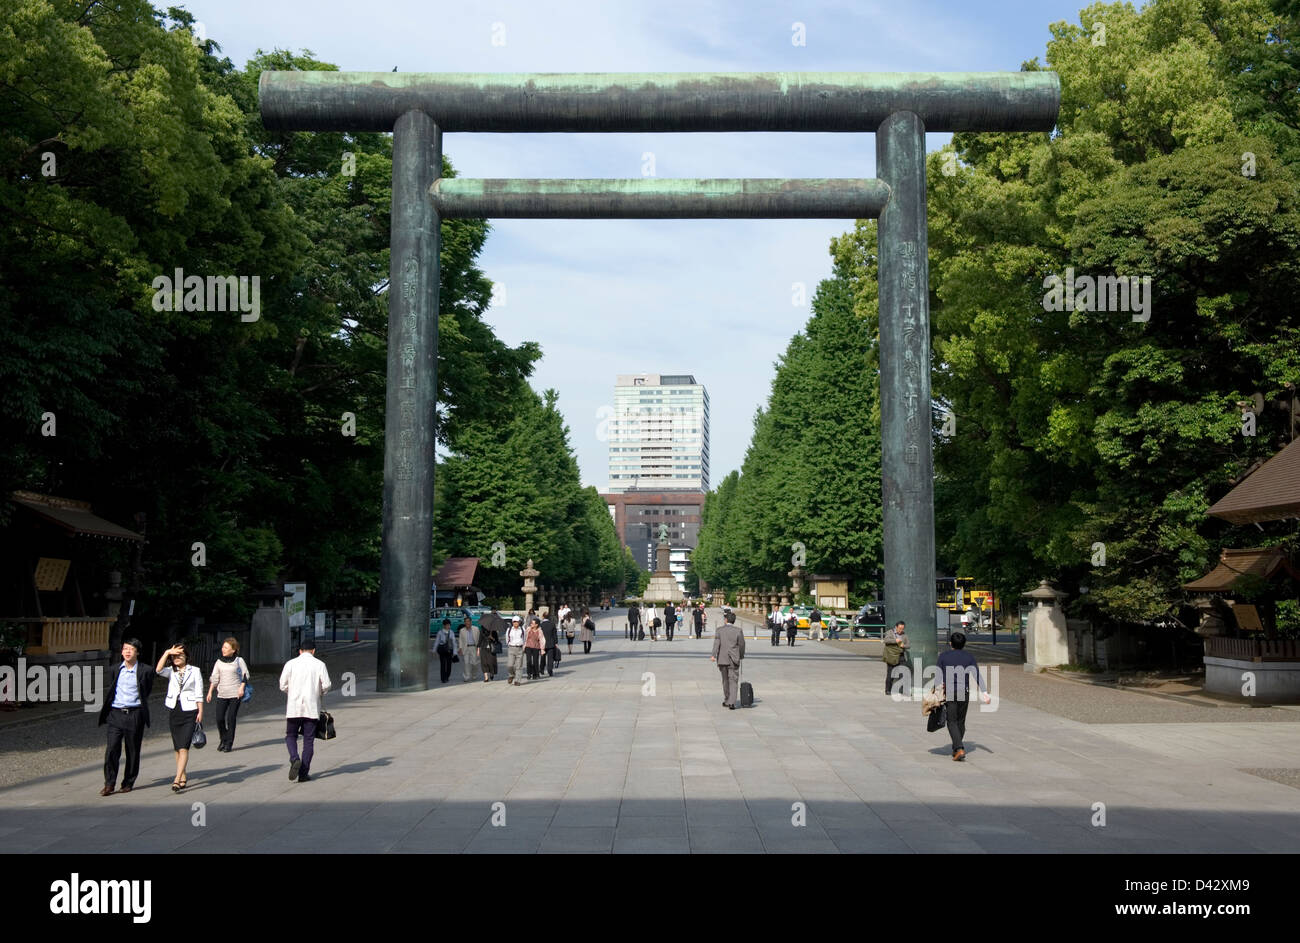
{"x":789,"y":623}
{"x":125,"y":711}
{"x":643,"y":619}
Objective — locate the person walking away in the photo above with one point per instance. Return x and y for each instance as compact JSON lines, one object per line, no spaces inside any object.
{"x":533,"y":642}
{"x":815,"y":625}
{"x":774,"y":623}
{"x":444,"y":644}
{"x":570,"y":630}
{"x":126,"y":712}
{"x":791,"y":627}
{"x":488,"y":637}
{"x":698,"y":616}
{"x":551,"y":649}
{"x":633,"y":621}
{"x":514,"y":650}
{"x":956,"y":666}
{"x":728,"y":652}
{"x":470,"y":665}
{"x":588,"y":633}
{"x":670,"y":620}
{"x":228,"y":680}
{"x":184,"y":705}
{"x":304,"y":680}
{"x":896,"y":645}
{"x":833,"y":626}
{"x":652,"y":621}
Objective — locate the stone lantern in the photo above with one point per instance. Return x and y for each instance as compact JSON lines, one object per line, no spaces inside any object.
{"x":796,"y":577}
{"x":1046,"y":644}
{"x":530,"y":586}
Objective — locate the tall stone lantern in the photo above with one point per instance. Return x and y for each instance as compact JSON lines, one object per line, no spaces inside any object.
{"x":1046,"y":645}
{"x":530,"y":586}
{"x":796,"y":577}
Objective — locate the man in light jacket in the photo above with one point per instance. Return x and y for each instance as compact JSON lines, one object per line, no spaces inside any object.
{"x":305,"y":681}
{"x":728,"y":651}
{"x":470,"y":665}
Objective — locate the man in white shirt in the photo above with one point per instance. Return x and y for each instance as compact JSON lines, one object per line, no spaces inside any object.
{"x":514,"y":651}
{"x":305,"y":681}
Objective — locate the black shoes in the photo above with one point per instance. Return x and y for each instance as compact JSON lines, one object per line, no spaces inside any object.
{"x":294,"y":766}
{"x":303,"y":778}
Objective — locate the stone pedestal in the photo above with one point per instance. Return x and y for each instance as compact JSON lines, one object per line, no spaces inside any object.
{"x":268,"y":637}
{"x":1046,"y":642}
{"x":529,"y":574}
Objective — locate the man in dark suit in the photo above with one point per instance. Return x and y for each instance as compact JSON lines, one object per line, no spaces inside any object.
{"x":126,"y":711}
{"x":698,"y":616}
{"x":550,"y":645}
{"x":728,"y":651}
{"x":633,"y":620}
{"x":670,"y":620}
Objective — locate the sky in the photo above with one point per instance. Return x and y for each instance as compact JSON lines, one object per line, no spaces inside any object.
{"x":712,"y":298}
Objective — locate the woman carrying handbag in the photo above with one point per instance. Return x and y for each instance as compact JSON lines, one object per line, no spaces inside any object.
{"x":588,"y":634}
{"x":229,"y":682}
{"x":184,"y":706}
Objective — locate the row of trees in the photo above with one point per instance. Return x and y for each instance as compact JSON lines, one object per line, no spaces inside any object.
{"x":511,"y":492}
{"x":809,"y":489}
{"x":127,"y":151}
{"x":1080,"y":444}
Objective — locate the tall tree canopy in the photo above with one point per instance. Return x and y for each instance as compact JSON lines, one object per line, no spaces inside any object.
{"x":130,"y":151}
{"x":809,"y":487}
{"x":1082,"y":433}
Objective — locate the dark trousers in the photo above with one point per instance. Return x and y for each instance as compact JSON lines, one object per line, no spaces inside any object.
{"x":776,"y":635}
{"x":790,"y":634}
{"x":227,"y":711}
{"x":632,"y":630}
{"x":668,"y":628}
{"x":125,"y":726}
{"x":532,"y":658}
{"x":889,"y":677}
{"x":444,"y":666}
{"x":957,"y":722}
{"x":699,"y":630}
{"x":586,"y":648}
{"x":307,"y":727}
{"x":548,"y":662}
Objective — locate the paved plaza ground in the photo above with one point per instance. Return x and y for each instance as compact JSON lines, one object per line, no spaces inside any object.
{"x":590,"y":761}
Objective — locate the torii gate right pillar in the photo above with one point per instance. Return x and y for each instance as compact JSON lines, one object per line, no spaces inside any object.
{"x":907,"y":465}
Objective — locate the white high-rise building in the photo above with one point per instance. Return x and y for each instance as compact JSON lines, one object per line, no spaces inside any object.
{"x":659,"y":434}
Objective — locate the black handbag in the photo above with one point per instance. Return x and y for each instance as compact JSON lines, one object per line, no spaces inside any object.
{"x":200,"y":739}
{"x":325,"y":726}
{"x":937,"y":719}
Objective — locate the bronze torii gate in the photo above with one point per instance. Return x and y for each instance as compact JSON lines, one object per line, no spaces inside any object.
{"x":419,"y":108}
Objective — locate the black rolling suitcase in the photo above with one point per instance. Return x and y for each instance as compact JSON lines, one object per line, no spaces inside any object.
{"x":746,"y":694}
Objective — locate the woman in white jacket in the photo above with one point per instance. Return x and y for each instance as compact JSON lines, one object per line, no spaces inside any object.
{"x":184,"y":705}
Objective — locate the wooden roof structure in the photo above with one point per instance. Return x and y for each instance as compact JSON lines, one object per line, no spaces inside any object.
{"x":1270,"y":492}
{"x":1261,"y":563}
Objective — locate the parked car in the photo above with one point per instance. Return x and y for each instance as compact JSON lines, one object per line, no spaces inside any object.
{"x":870,"y":621}
{"x":457,"y":616}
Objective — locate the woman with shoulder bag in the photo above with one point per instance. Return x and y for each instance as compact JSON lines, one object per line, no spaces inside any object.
{"x":570,"y":628}
{"x":533,"y":649}
{"x":588,"y":632}
{"x":445,"y":645}
{"x":184,"y":705}
{"x":228,"y":681}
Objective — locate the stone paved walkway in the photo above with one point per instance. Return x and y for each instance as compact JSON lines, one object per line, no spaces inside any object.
{"x":590,"y":761}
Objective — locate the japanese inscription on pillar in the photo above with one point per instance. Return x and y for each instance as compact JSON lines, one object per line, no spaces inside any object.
{"x":405,"y":466}
{"x":912,"y":351}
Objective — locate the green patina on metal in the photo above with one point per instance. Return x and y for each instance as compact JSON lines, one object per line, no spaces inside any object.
{"x":898,"y":107}
{"x":660,"y":198}
{"x":661,"y":101}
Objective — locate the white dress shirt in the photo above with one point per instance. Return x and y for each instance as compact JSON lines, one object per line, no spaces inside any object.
{"x":305,"y":680}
